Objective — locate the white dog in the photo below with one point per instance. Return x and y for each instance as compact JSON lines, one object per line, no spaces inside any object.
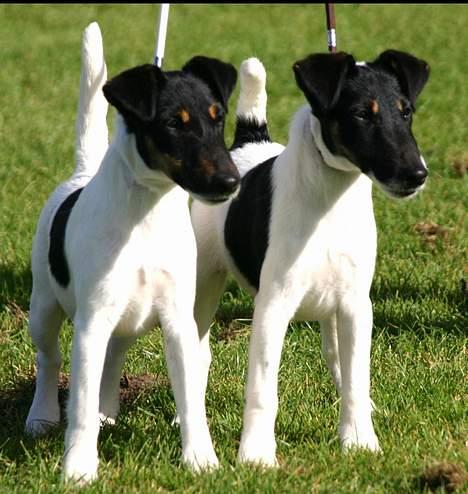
{"x":115,"y":251}
{"x":301,"y":235}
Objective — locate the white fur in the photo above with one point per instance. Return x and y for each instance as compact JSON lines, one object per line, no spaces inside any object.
{"x":131,"y":253}
{"x":318,"y":266}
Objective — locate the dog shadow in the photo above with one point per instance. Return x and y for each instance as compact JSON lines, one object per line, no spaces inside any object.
{"x":148,"y":391}
{"x":407,"y":296}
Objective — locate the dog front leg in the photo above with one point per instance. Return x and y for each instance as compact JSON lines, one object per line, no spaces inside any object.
{"x":269,"y":325}
{"x":354,"y":320}
{"x":182,"y":348}
{"x":89,"y":349}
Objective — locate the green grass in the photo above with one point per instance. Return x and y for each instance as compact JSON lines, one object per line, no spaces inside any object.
{"x":419,"y":355}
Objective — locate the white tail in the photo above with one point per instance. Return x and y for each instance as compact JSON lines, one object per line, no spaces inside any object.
{"x":252,"y":101}
{"x":91,"y":125}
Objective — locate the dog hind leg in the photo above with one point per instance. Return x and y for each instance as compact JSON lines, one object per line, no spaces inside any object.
{"x":330,"y":350}
{"x":185,"y":373}
{"x":45,"y":320}
{"x":109,"y":395}
{"x":209,"y":291}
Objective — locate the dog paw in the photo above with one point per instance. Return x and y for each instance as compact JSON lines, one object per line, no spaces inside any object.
{"x":38,"y":424}
{"x":199,"y":461}
{"x":105,"y":420}
{"x":352,"y":438}
{"x":39,"y":427}
{"x":259,"y":453}
{"x":80,"y":466}
{"x":175,"y":421}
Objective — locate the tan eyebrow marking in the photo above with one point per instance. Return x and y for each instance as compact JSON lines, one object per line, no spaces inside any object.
{"x":399,"y":104}
{"x":184,"y":116}
{"x":374,"y":106}
{"x":213,"y":111}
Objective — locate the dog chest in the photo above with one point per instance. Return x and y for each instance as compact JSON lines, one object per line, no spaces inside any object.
{"x":323,"y":259}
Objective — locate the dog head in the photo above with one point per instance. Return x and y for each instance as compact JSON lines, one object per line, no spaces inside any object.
{"x":178,"y":121}
{"x":365,"y":113}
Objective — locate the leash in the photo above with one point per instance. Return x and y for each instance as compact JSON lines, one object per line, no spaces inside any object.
{"x":162,"y":32}
{"x":331,"y":27}
{"x":164,"y":17}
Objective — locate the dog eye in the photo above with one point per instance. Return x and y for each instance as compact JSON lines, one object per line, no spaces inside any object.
{"x":175,"y":123}
{"x":406,"y":113}
{"x":362,"y":115}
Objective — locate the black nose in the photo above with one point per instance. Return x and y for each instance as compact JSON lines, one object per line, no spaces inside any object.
{"x":225,"y":183}
{"x":417,"y":177}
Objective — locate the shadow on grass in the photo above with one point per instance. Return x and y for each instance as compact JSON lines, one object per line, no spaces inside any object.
{"x":236,"y":304}
{"x":16,"y":445}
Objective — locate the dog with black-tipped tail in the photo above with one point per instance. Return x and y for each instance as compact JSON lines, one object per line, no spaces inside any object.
{"x":115,"y":251}
{"x":301,"y":236}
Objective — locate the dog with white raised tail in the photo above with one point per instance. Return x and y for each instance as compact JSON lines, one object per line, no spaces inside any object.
{"x":301,"y":236}
{"x":115,"y":251}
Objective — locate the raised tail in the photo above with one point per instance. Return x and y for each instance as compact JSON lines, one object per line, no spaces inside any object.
{"x":251,"y":121}
{"x":92,"y":138}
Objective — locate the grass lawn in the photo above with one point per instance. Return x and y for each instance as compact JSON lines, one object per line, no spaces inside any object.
{"x":419,"y":354}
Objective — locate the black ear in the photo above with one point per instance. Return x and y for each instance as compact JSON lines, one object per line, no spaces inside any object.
{"x":321,"y":76}
{"x":221,"y":77}
{"x":134,"y":92}
{"x":412,"y":73}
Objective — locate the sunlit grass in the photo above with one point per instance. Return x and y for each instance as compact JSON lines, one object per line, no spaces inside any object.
{"x":419,"y":359}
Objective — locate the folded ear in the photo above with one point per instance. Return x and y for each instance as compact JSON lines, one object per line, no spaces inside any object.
{"x":412,"y":73}
{"x":220,"y":77}
{"x":321,"y":76}
{"x":134,"y":92}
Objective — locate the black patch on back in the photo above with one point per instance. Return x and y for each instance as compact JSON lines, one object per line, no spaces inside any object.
{"x":247,"y":226}
{"x":248,"y":131}
{"x":57,"y":260}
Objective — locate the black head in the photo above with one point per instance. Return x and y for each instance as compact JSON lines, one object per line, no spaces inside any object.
{"x":365,"y":113}
{"x":178,"y":121}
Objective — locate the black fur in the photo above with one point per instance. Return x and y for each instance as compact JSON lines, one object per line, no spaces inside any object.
{"x":365,"y":113}
{"x":57,"y":260}
{"x":247,"y":226}
{"x":249,"y":131}
{"x":178,"y":121}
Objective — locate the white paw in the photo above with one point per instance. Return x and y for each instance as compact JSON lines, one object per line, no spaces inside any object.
{"x":362,"y":437}
{"x":105,"y":420}
{"x":258,"y":452}
{"x":80,"y":465}
{"x":39,"y":423}
{"x":200,"y":459}
{"x":175,"y":420}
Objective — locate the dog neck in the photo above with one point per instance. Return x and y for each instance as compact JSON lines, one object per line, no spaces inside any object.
{"x":133,"y":191}
{"x":334,"y":161}
{"x":313,"y":171}
{"x":155,"y":181}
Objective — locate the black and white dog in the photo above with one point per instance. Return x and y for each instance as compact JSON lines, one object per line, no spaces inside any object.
{"x":301,"y":233}
{"x":115,"y":250}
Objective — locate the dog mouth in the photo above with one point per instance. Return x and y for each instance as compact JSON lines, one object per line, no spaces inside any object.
{"x":213,"y":199}
{"x":399,"y":192}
